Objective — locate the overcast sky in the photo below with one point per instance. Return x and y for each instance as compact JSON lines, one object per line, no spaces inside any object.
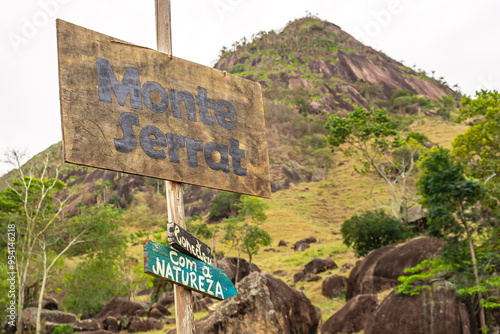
{"x":456,"y":39}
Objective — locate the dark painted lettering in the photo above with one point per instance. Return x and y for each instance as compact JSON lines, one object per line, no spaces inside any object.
{"x":175,"y":101}
{"x":237,"y":154}
{"x":148,"y":143}
{"x":193,"y":146}
{"x":147,"y":89}
{"x":174,"y":143}
{"x":203,"y":104}
{"x":128,"y":142}
{"x":223,"y":116}
{"x":223,"y":164}
{"x":130,"y":84}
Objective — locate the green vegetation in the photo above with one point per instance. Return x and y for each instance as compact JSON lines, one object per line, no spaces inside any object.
{"x":371,"y":230}
{"x":369,"y":136}
{"x":63,"y":329}
{"x":101,"y":274}
{"x":460,"y":196}
{"x":243,"y":231}
{"x":224,"y":205}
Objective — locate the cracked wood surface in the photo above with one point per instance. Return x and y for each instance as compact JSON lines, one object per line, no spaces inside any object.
{"x":90,"y":126}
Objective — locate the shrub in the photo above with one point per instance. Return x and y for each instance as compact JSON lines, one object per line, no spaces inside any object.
{"x":237,"y":68}
{"x":371,"y":230}
{"x":92,"y":284}
{"x":63,"y":329}
{"x":223,"y":206}
{"x":419,"y":137}
{"x":399,"y":93}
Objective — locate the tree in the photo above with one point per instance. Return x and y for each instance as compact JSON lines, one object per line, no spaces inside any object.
{"x":479,"y":146}
{"x":244,"y":232}
{"x":31,"y":204}
{"x":34,"y":203}
{"x":101,"y":274}
{"x":453,"y":204}
{"x":368,"y":134}
{"x":223,"y":206}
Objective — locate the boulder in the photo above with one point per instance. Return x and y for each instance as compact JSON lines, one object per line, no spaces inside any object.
{"x":86,"y":325}
{"x":380,"y":269}
{"x":111,"y":324}
{"x":120,"y":307}
{"x":300,"y":276}
{"x":309,"y":240}
{"x":155,"y":314}
{"x":352,"y":317}
{"x":202,"y":304}
{"x":167,"y":299}
{"x":319,"y":265}
{"x":162,"y":309}
{"x":47,"y":304}
{"x":282,"y":243}
{"x":264,"y":305}
{"x":300,"y":247}
{"x":436,"y":311}
{"x":347,"y":265}
{"x":303,"y":244}
{"x":333,"y":285}
{"x":145,"y":325}
{"x":228,"y":264}
{"x":56,"y":317}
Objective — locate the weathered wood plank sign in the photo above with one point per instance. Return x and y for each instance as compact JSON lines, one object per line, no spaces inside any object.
{"x":168,"y":264}
{"x":185,"y":242}
{"x":136,"y":110}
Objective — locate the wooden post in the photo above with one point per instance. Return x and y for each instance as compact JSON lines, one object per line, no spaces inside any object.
{"x":175,"y":204}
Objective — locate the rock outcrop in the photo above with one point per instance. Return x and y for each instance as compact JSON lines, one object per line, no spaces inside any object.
{"x":48,"y":316}
{"x":353,"y":316}
{"x":436,"y":311}
{"x":145,"y":325}
{"x":120,"y":307}
{"x":380,"y":269}
{"x":318,"y":265}
{"x":229,"y":264}
{"x":333,"y":285}
{"x":264,"y":305}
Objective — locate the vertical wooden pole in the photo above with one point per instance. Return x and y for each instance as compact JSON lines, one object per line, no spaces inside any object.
{"x":175,"y":203}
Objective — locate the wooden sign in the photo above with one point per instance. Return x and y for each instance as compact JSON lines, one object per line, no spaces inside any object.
{"x":165,"y":263}
{"x":132,"y":109}
{"x":185,"y":242}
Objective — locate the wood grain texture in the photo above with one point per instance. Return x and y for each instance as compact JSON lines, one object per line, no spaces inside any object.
{"x":163,"y":24}
{"x":165,"y":263}
{"x":184,"y":242}
{"x":183,"y":297}
{"x":92,"y":126}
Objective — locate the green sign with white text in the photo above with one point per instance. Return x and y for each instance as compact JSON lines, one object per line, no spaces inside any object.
{"x":168,"y":264}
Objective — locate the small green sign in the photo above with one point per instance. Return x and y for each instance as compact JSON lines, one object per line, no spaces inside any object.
{"x":165,"y":263}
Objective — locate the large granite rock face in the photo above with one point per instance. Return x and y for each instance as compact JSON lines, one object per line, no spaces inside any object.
{"x":120,"y":307}
{"x":380,"y":269}
{"x":229,"y":264}
{"x":436,"y":311}
{"x":352,"y":317}
{"x":264,"y":305}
